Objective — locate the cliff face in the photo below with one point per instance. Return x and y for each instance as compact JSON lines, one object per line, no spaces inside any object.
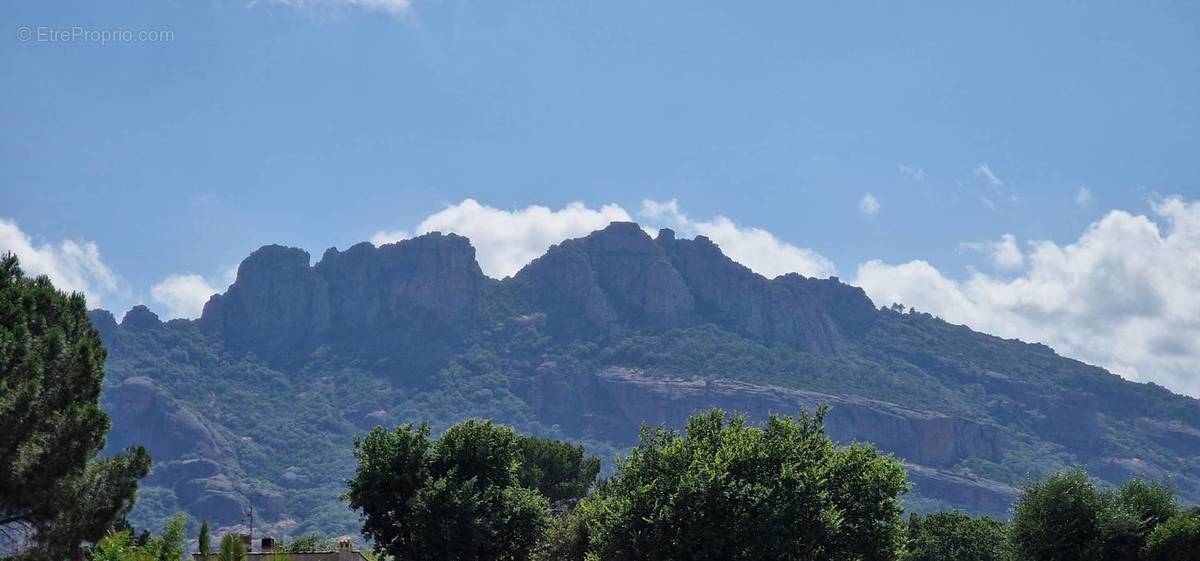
{"x":432,"y":278}
{"x":613,"y":404}
{"x":277,"y":302}
{"x":191,"y":457}
{"x":620,"y":277}
{"x":280,"y":304}
{"x":817,"y":315}
{"x":606,"y":284}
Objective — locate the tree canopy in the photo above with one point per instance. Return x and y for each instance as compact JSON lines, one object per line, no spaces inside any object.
{"x":955,"y":536}
{"x":54,"y":492}
{"x":457,"y":497}
{"x":1177,"y":539}
{"x":558,"y":470}
{"x":1067,"y":517}
{"x":726,"y":490}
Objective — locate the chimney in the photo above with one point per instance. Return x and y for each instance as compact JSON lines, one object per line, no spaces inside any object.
{"x":344,"y":551}
{"x":268,"y":544}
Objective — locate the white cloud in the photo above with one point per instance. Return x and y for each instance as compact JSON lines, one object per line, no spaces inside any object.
{"x":1083,"y":197}
{"x":912,"y":171}
{"x":755,"y":248}
{"x":868,"y":205}
{"x":389,"y":236}
{"x":985,"y":171}
{"x":183,"y":294}
{"x":390,"y":7}
{"x":1003,"y":254}
{"x":505,"y":240}
{"x":1122,"y":296}
{"x":72,"y":266}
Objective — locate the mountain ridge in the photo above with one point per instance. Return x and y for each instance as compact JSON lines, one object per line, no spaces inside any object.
{"x":587,"y":342}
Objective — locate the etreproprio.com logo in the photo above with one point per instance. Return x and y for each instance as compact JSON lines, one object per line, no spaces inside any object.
{"x":78,"y":34}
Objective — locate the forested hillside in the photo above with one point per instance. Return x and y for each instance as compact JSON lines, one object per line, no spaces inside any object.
{"x":260,"y":398}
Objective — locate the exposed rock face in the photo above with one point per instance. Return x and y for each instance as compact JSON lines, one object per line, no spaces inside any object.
{"x":429,"y":279}
{"x":619,"y":276}
{"x":276,"y":303}
{"x":147,"y":415}
{"x":958,"y":488}
{"x":812,"y":314}
{"x":280,"y":303}
{"x":140,"y":316}
{"x":189,"y":455}
{"x":613,"y":404}
{"x":615,"y":276}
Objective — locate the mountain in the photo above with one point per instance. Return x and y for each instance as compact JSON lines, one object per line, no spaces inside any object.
{"x":259,"y":399}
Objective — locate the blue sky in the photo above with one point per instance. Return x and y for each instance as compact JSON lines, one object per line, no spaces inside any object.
{"x":326,"y":122}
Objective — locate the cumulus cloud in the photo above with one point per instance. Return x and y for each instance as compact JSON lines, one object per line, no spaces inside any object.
{"x":868,"y":205}
{"x":505,"y":240}
{"x":1122,"y":296}
{"x":184,"y":294}
{"x":755,"y":248}
{"x":1003,"y":254}
{"x":71,"y":265}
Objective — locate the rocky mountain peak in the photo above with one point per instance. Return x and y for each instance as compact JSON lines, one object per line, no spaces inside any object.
{"x":140,"y":316}
{"x":276,"y":303}
{"x":280,"y":303}
{"x":431,"y":278}
{"x":620,"y":277}
{"x":607,"y":280}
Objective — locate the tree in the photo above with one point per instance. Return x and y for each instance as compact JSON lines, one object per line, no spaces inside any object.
{"x":1066,"y":517}
{"x":454,"y":498}
{"x":725,"y":490}
{"x":955,"y":536}
{"x":231,"y":548}
{"x":1177,"y":539}
{"x":558,"y":470}
{"x":1058,"y":519}
{"x":51,"y":368}
{"x":204,"y":541}
{"x":566,"y":538}
{"x":309,"y":543}
{"x":121,"y":546}
{"x":1130,"y":514}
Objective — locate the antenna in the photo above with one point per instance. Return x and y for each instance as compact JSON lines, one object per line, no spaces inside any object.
{"x":249,"y":514}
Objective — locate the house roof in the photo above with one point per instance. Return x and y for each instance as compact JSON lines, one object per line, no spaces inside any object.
{"x":303,"y":556}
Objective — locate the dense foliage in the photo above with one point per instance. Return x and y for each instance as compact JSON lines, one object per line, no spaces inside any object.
{"x":1067,"y":517}
{"x":1177,"y":539}
{"x":560,"y":471}
{"x":727,"y":490}
{"x":955,"y":536}
{"x":169,"y":545}
{"x":231,"y":548}
{"x":54,"y":491}
{"x":457,"y":497}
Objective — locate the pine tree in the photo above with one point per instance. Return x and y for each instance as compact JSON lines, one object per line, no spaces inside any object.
{"x":51,"y":367}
